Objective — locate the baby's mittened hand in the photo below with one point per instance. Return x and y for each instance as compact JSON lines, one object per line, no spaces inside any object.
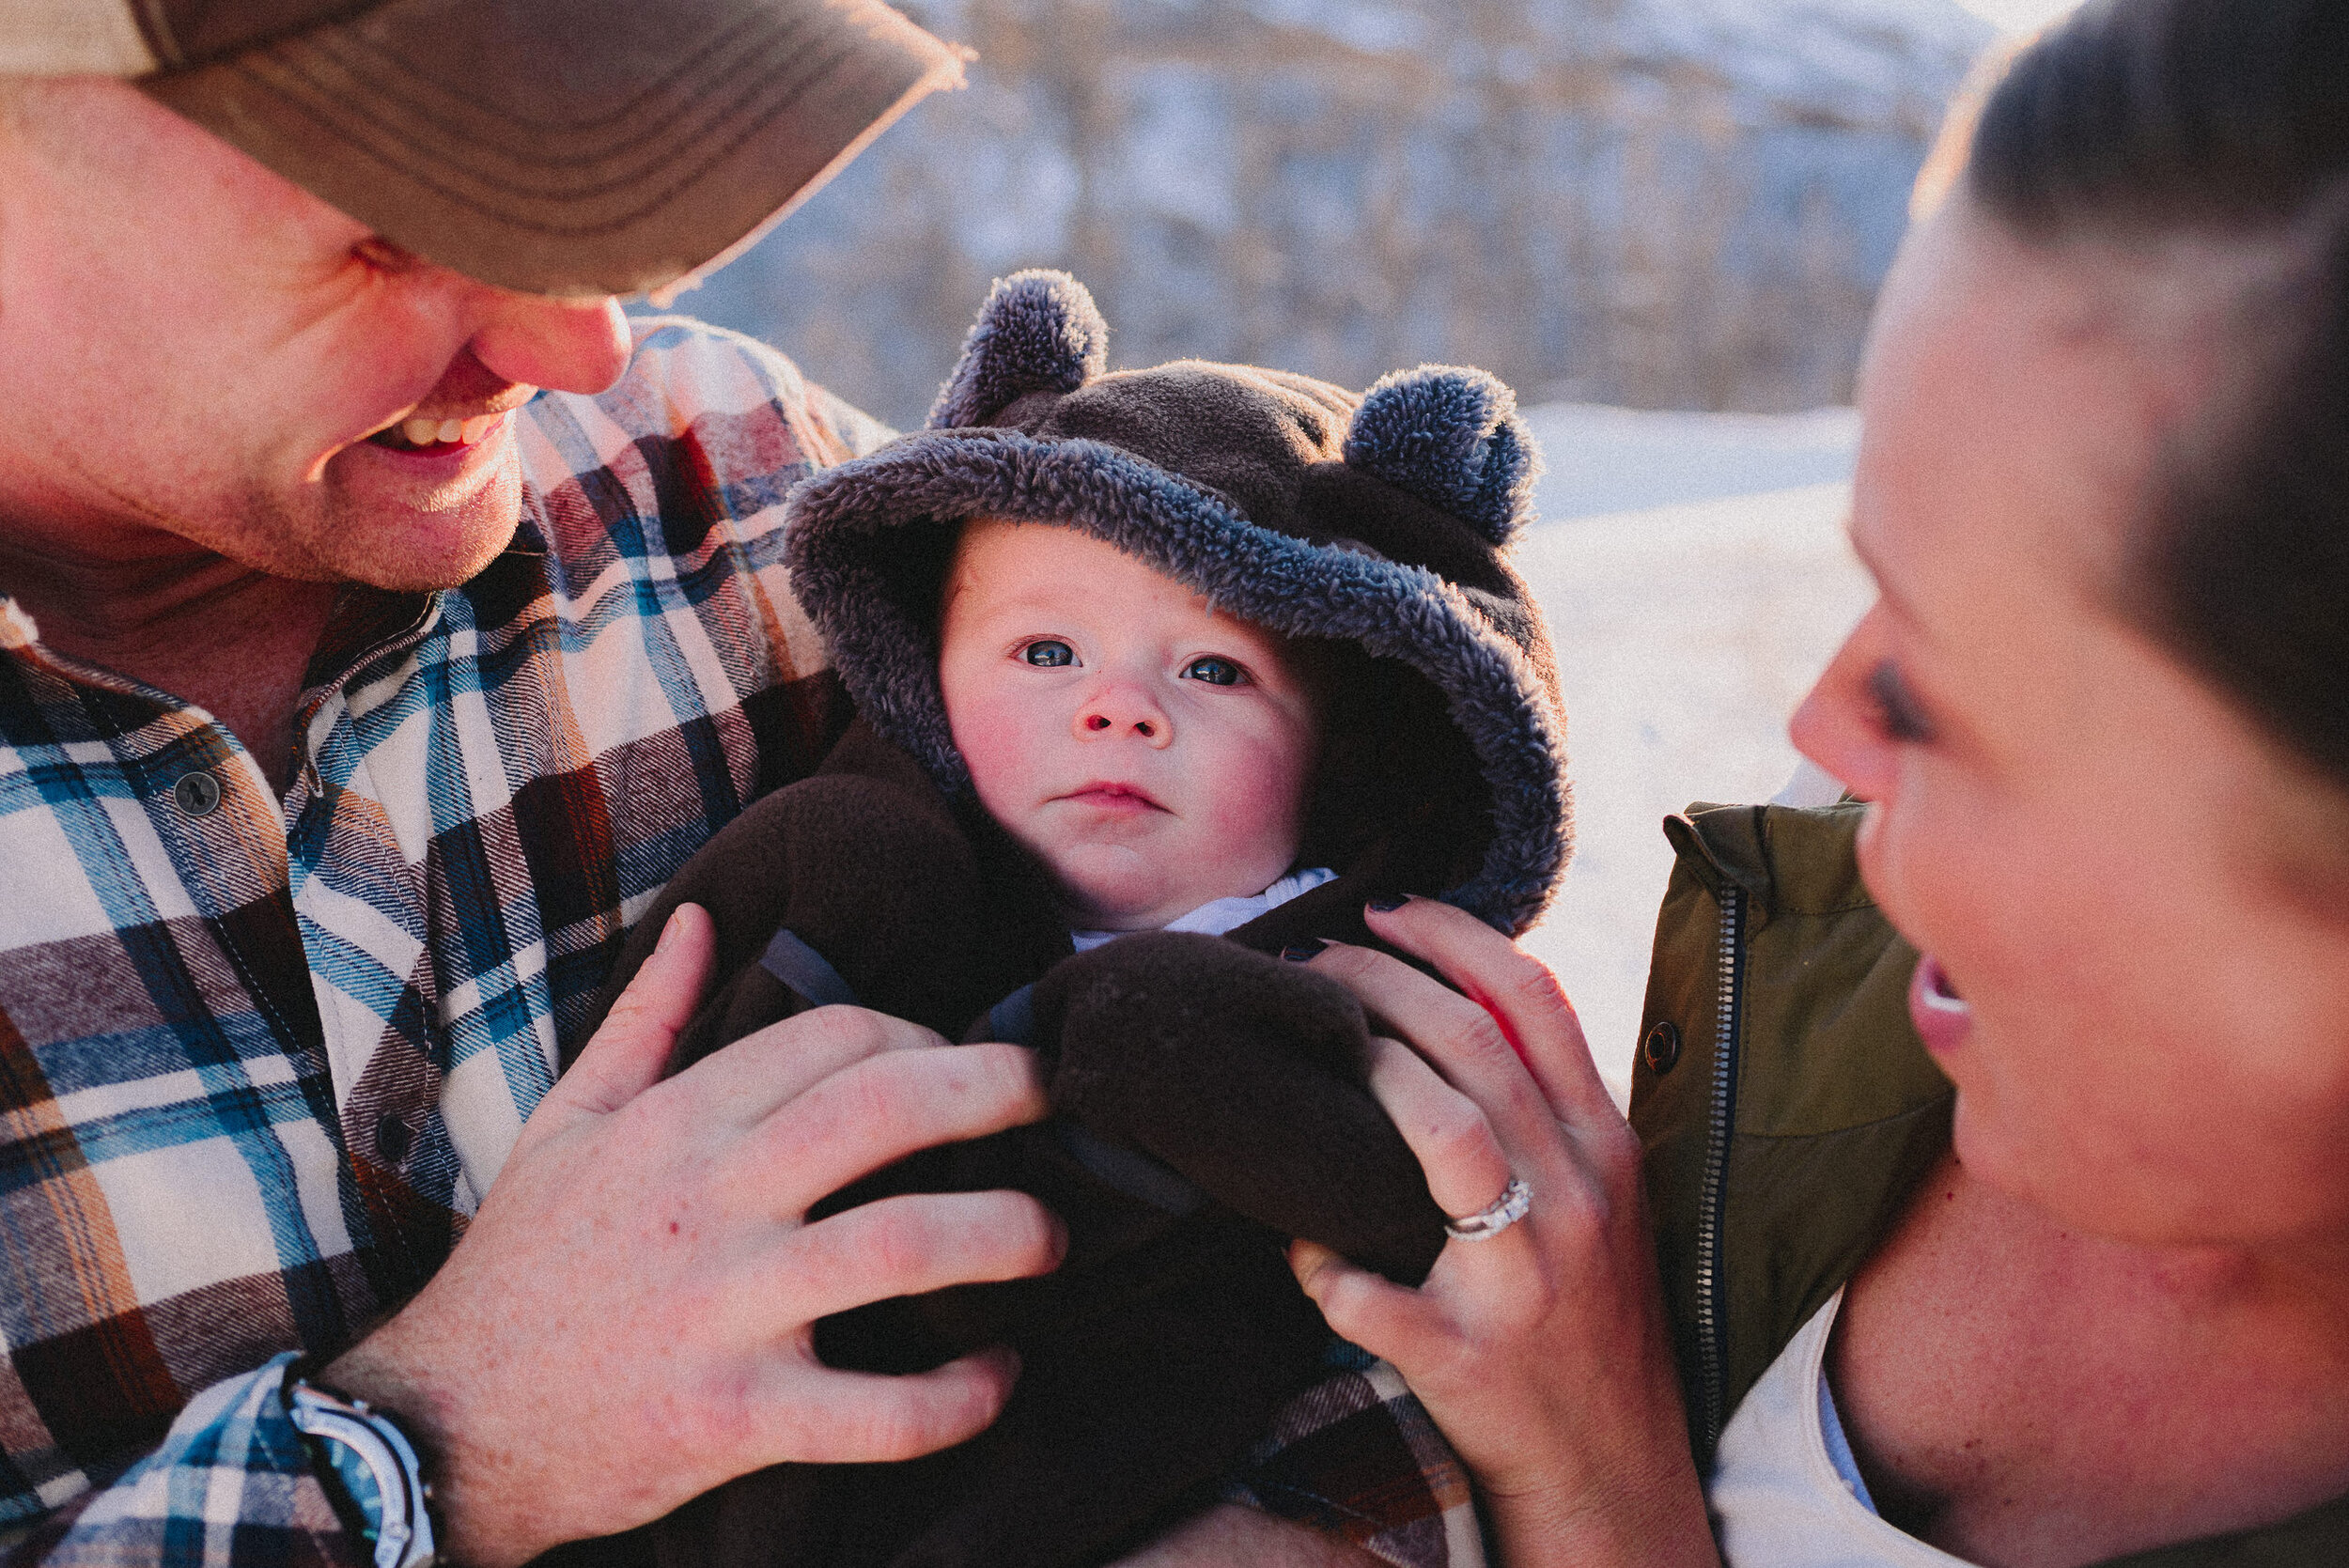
{"x":1245,"y":1075}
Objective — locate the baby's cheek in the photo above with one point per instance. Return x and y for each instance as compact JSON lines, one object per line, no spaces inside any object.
{"x":997,"y":744}
{"x":1264,"y":805}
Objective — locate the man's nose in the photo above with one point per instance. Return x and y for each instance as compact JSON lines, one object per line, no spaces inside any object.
{"x":1124,"y":707}
{"x":569,"y":345}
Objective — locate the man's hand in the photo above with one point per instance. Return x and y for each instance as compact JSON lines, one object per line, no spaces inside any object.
{"x":626,"y":1324}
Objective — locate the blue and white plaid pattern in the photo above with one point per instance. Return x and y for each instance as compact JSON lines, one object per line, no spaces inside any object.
{"x":260,"y":1058}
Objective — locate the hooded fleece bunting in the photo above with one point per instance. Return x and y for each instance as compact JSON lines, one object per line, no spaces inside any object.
{"x":1209,"y":1097}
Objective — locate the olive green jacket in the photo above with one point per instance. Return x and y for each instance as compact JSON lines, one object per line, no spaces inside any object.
{"x":1788,"y":1110}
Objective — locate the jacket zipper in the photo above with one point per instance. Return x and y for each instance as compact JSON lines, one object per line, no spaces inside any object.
{"x":1711,"y":1287}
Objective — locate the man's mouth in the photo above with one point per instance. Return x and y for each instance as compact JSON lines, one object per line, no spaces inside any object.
{"x":437,"y":435}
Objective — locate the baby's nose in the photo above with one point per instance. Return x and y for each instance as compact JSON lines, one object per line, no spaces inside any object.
{"x":1121,"y":710}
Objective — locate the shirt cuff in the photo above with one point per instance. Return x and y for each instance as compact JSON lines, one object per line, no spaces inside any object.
{"x":230,"y":1484}
{"x":1357,"y":1456}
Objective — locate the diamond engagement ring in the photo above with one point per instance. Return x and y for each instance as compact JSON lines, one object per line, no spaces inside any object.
{"x":1488,"y":1223}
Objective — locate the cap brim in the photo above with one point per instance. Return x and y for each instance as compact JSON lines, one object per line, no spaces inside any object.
{"x":570,"y":146}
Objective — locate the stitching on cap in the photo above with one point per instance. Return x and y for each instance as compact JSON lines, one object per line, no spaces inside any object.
{"x":757,"y":82}
{"x":692,"y":64}
{"x":568,"y":231}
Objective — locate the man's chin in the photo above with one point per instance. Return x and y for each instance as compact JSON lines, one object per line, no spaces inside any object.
{"x":393,"y":542}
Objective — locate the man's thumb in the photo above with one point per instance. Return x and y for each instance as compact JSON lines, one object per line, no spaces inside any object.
{"x":627,"y":1053}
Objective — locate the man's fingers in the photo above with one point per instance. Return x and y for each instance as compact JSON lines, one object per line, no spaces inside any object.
{"x":627,"y":1053}
{"x":745,"y":1081}
{"x":864,"y":1417}
{"x":910,"y":1246}
{"x":1518,"y":989}
{"x":884,"y":1107}
{"x":1454,"y":1144}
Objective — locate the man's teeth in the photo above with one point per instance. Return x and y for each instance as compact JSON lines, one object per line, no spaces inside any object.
{"x":439,"y":432}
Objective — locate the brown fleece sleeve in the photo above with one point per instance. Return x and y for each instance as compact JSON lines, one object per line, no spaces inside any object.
{"x":1244,"y":1074}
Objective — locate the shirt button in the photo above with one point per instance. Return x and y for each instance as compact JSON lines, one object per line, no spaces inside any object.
{"x":392,"y":1138}
{"x":197,"y":793}
{"x":1661,"y":1047}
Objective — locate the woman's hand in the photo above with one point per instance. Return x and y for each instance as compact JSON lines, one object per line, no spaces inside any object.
{"x":1542,"y":1351}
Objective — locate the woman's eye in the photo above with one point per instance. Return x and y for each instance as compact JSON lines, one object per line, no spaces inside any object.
{"x":1898,"y":713}
{"x":1214,"y":671}
{"x":1050,"y":653}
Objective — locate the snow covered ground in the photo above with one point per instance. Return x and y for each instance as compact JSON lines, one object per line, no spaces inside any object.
{"x":1696,"y":578}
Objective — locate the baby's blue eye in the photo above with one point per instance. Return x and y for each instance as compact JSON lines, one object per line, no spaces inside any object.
{"x":1050,"y":653}
{"x":1214,"y":671}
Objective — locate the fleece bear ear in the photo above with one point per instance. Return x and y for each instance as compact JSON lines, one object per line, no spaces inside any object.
{"x":1450,"y":434}
{"x":1038,"y":332}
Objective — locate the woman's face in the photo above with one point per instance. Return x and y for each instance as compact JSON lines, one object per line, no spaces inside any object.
{"x":2137,"y":959}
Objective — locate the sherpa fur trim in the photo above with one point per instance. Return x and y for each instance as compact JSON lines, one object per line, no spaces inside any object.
{"x":1038,"y":332}
{"x":840,"y":541}
{"x":1450,"y":435}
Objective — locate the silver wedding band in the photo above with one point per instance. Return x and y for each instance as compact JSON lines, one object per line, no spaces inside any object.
{"x":1486,"y":1223}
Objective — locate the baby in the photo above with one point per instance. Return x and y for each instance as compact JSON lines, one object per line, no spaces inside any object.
{"x":1153,"y":756}
{"x":1160,"y":676}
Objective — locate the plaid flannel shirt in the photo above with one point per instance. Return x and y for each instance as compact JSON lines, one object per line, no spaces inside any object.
{"x":259,"y":1059}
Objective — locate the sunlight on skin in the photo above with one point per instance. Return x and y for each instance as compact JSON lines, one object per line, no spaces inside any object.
{"x":2020,"y":16}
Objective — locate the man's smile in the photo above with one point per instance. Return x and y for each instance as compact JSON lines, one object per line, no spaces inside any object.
{"x":438,"y":436}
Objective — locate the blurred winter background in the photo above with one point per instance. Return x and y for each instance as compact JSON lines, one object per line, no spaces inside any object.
{"x":1662,"y":221}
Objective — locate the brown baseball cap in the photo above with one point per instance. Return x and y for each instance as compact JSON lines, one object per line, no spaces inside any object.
{"x":558,"y":147}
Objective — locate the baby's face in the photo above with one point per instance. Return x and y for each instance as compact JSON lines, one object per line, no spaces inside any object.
{"x":1153,"y":753}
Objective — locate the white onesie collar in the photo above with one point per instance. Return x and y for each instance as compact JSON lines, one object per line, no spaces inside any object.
{"x":1219,"y":915}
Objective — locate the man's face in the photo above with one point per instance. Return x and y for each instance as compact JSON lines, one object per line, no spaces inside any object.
{"x":202,"y":353}
{"x":1153,"y":753}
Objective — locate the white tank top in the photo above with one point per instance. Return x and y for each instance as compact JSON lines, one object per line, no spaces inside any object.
{"x":1785,"y":1493}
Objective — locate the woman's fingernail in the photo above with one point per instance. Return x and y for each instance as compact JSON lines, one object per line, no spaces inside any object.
{"x":1388,"y":906}
{"x":668,"y":931}
{"x":1297,"y":953}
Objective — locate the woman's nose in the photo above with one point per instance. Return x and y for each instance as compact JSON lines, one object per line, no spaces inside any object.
{"x":1834,"y":726}
{"x":1123,"y":708}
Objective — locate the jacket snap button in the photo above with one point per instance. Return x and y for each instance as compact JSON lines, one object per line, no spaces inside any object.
{"x":1661,"y":1047}
{"x":197,"y":793}
{"x":392,"y":1138}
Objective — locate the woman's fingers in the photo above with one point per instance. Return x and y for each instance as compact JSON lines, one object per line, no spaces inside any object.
{"x":1384,"y":1318}
{"x":1460,"y":1039}
{"x":1519,"y":990}
{"x":1464,"y":1162}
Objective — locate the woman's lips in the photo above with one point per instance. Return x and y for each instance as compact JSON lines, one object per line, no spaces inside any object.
{"x":1941,"y":1016}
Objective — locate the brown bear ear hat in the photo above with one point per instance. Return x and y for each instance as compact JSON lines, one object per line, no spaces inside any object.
{"x":1379,"y":520}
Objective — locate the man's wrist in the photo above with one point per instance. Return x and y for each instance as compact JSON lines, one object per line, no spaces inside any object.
{"x":372,"y":1468}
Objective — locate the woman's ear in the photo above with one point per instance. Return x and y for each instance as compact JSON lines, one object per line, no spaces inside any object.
{"x":1038,"y":332}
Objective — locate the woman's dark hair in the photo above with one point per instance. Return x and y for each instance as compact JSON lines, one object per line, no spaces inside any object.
{"x":2141,"y":119}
